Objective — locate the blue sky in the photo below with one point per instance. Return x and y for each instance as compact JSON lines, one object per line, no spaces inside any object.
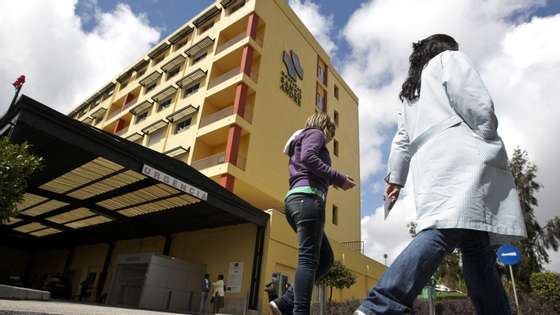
{"x":168,"y":15}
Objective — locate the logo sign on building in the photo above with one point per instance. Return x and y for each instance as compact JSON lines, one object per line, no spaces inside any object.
{"x":289,"y":78}
{"x":174,"y":182}
{"x":509,"y":254}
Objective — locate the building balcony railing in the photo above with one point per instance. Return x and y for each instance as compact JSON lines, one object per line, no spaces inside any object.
{"x":357,"y":246}
{"x":224,"y":77}
{"x":121,"y":132}
{"x":221,"y":114}
{"x":230,"y":42}
{"x":123,"y":108}
{"x":207,"y":120}
{"x":217,"y":159}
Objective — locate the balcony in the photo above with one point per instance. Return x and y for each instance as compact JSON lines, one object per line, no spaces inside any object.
{"x":224,"y":77}
{"x":121,"y":132}
{"x":217,"y":159}
{"x":216,"y":116}
{"x":356,"y":246}
{"x":230,"y":43}
{"x":221,"y":114}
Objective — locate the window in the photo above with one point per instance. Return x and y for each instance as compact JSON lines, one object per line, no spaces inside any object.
{"x":191,"y":89}
{"x":83,"y":111}
{"x":182,"y":42}
{"x":97,"y":120}
{"x":173,"y":72}
{"x":124,"y":83}
{"x":206,"y":26}
{"x":320,"y":73}
{"x":183,"y":125}
{"x":335,"y":118}
{"x":150,"y":87}
{"x":336,"y":91}
{"x":335,"y":147}
{"x":183,"y":157}
{"x":334,"y":215}
{"x":158,"y":58}
{"x":109,"y":94}
{"x":164,"y":104}
{"x":199,"y":56}
{"x":236,"y":6}
{"x":320,"y":102}
{"x":97,"y":101}
{"x":142,"y":116}
{"x":156,"y":136}
{"x":140,"y":72}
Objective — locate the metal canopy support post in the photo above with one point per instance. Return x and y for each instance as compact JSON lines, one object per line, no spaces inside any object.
{"x":68,"y":261}
{"x":103,"y":274}
{"x":167,"y":245}
{"x":257,"y":266}
{"x":29,"y":267}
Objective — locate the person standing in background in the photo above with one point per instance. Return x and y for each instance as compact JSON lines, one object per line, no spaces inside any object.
{"x":218,"y":293}
{"x":204,"y":294}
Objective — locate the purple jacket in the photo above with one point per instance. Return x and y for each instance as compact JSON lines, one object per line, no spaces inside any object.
{"x":310,"y":162}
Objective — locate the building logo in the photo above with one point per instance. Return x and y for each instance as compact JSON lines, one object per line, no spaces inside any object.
{"x":289,"y":78}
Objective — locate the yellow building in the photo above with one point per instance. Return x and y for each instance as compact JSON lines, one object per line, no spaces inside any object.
{"x":223,"y":93}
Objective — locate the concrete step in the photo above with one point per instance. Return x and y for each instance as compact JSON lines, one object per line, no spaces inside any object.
{"x":19,"y":293}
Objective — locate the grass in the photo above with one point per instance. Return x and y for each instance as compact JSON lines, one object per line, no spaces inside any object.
{"x":450,"y":295}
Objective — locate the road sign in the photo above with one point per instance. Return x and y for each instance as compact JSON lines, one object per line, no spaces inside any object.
{"x":509,"y":254}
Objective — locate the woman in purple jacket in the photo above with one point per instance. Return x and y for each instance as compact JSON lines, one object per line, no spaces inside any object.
{"x":311,"y":175}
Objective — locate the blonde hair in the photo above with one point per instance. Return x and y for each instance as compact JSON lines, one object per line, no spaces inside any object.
{"x":323,"y":122}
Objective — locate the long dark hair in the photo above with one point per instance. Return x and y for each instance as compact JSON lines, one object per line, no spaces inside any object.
{"x":422,"y":52}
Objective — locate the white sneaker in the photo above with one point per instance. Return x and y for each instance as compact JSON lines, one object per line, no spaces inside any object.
{"x":358,"y":312}
{"x":274,"y":308}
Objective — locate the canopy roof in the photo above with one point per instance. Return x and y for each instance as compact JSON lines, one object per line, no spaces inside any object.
{"x":98,"y":187}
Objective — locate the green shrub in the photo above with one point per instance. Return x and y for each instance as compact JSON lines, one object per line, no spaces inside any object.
{"x":546,"y":285}
{"x":16,"y":165}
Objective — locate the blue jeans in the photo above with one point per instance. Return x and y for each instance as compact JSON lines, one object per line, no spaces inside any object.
{"x":306,"y":216}
{"x":413,"y":268}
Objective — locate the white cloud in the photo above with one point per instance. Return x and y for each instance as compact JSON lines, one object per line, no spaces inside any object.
{"x":391,"y":236}
{"x":518,"y":59}
{"x":64,"y":64}
{"x":321,"y":26}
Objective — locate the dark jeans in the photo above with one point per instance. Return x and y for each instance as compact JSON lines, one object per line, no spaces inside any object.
{"x":306,"y":216}
{"x":409,"y":273}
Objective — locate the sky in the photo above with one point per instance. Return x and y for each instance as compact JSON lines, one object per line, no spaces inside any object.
{"x":71,"y":47}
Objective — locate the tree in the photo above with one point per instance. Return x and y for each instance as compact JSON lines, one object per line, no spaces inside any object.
{"x":16,"y":165}
{"x":338,"y":277}
{"x":539,"y":238}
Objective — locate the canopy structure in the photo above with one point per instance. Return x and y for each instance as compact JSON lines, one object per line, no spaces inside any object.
{"x":97,"y":187}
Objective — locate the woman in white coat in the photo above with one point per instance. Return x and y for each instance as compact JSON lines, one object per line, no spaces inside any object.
{"x":464,"y":192}
{"x":218,"y":293}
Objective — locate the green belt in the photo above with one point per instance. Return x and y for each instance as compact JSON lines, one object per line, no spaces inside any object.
{"x":305,"y":190}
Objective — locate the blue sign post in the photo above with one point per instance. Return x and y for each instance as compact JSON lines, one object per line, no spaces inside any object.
{"x":510,"y":255}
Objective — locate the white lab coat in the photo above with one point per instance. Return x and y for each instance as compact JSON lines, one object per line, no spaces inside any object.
{"x":448,"y":139}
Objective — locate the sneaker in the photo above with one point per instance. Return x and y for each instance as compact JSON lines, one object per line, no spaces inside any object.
{"x":358,"y":312}
{"x":274,"y":308}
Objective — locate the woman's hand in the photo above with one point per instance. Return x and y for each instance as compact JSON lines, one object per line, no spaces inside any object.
{"x":392,"y":192}
{"x":348,"y":183}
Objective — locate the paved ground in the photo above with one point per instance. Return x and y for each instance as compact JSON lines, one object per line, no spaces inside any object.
{"x":18,"y":307}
